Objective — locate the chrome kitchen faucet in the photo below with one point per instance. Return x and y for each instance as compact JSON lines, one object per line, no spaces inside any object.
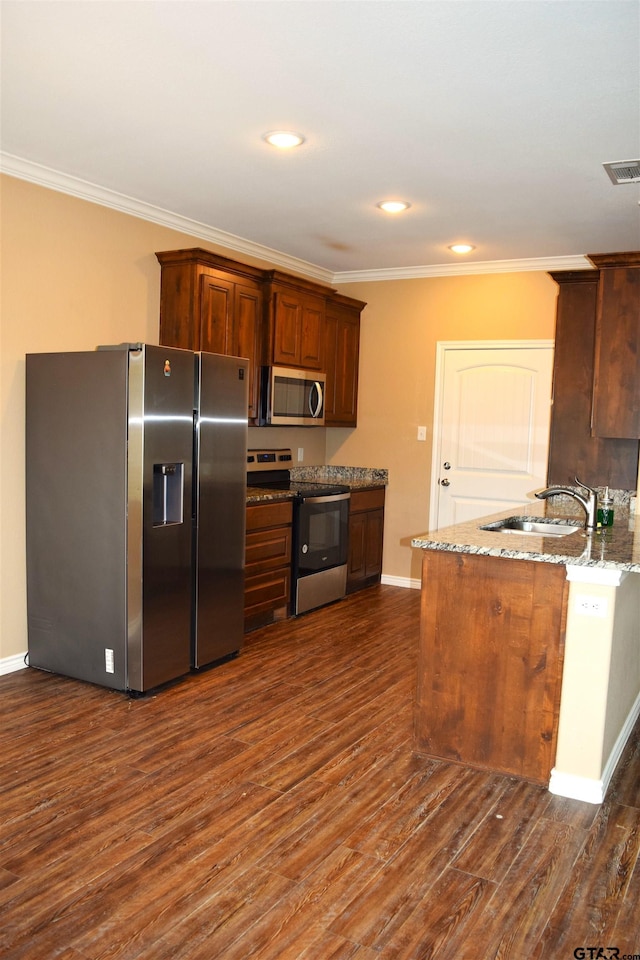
{"x":589,"y":503}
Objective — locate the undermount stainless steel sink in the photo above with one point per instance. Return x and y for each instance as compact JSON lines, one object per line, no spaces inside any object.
{"x":540,"y":528}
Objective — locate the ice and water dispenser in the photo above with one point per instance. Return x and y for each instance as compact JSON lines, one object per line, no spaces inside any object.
{"x":168,"y":496}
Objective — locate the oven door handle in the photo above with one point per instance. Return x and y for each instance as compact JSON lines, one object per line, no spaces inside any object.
{"x":330,"y":499}
{"x":317,"y":410}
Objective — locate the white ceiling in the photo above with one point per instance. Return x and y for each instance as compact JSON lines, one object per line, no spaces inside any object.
{"x":492,"y":118}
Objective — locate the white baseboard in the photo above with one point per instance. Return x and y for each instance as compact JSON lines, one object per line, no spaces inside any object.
{"x":586,"y":788}
{"x":11,"y":664}
{"x":576,"y":788}
{"x":407,"y":582}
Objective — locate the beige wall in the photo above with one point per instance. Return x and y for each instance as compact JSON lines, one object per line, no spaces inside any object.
{"x":624,"y":669}
{"x":403,"y":321}
{"x":600,"y":682}
{"x":75,"y":274}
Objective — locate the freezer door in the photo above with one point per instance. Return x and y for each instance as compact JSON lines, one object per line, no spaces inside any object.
{"x":220,"y":507}
{"x":161,"y":391}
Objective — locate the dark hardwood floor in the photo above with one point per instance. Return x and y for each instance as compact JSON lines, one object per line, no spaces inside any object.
{"x":273,"y":807}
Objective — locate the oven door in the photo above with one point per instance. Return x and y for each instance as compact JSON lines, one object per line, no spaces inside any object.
{"x":322,"y":533}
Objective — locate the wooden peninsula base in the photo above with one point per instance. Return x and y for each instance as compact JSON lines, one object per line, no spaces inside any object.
{"x":490,"y":662}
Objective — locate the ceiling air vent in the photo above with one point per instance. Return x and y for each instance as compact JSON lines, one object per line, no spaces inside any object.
{"x":623,"y":171}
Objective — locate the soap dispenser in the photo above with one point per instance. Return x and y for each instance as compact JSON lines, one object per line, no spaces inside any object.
{"x":605,"y":509}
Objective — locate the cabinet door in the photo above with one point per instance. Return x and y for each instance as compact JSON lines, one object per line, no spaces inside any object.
{"x":341,"y":354}
{"x":288,"y":330}
{"x":373,"y":543}
{"x":311,"y":335}
{"x":366,"y":528}
{"x":357,"y":547}
{"x":298,"y":330}
{"x":616,"y":391}
{"x":216,"y":313}
{"x":246,"y":336}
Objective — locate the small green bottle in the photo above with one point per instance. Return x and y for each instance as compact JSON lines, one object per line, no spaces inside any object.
{"x":605,"y":510}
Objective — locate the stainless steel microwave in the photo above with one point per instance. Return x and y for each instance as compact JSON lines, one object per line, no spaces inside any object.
{"x":292,"y":397}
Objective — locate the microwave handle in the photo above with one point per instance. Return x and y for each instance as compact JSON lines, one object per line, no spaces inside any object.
{"x":317,"y":410}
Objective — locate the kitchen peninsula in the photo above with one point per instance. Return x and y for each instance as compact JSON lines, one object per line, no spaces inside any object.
{"x":529,"y":659}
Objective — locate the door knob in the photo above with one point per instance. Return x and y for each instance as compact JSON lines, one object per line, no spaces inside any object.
{"x":445,"y":482}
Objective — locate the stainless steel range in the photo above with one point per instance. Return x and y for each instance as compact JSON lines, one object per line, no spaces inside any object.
{"x":320,"y":528}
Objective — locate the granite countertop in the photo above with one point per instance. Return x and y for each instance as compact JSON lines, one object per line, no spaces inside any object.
{"x":264,"y":494}
{"x":616,"y":547}
{"x":356,"y":478}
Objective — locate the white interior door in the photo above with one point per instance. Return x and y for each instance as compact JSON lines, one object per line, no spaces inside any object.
{"x":491,"y":427}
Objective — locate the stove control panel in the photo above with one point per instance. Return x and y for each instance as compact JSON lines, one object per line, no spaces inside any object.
{"x":269,"y":459}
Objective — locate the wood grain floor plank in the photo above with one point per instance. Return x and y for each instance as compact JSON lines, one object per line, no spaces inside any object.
{"x":273,"y":807}
{"x":370,"y":749}
{"x":511,"y":927}
{"x":387,"y":828}
{"x":454,"y":901}
{"x":296,"y":921}
{"x":594,"y":896}
{"x":384,"y":904}
{"x":626,"y":931}
{"x":305,"y":847}
{"x":495,"y":844}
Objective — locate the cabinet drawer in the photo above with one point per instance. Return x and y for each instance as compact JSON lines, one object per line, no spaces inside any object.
{"x":267,"y":549}
{"x":269,"y":514}
{"x":366,"y":500}
{"x":267,"y":591}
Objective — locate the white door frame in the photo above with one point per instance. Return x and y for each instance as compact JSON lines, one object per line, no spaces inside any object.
{"x":442,"y":346}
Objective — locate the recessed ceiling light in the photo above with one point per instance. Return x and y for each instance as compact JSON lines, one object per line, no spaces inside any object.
{"x":393,"y":206}
{"x":284,"y":139}
{"x":461,"y":247}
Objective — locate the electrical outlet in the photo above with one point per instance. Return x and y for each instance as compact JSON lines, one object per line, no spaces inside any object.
{"x":589,"y":606}
{"x":109,"y":661}
{"x":422,"y":433}
{"x":300,"y":454}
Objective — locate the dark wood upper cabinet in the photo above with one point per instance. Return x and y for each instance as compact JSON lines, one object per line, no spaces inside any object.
{"x":341,"y":351}
{"x":295,"y":322}
{"x":616,"y":390}
{"x":216,"y":314}
{"x":573,"y":450}
{"x":208,"y":302}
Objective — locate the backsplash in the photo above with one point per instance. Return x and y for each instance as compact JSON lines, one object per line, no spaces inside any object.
{"x":619,"y":497}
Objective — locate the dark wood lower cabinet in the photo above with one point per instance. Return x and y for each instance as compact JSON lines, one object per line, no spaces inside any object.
{"x":267,"y":588}
{"x":366,"y":527}
{"x":490,"y":662}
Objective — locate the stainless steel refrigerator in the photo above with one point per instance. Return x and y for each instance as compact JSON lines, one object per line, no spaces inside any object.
{"x":111,"y":513}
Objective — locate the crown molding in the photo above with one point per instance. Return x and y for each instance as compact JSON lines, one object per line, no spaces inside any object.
{"x":541,"y":264}
{"x":84,"y":190}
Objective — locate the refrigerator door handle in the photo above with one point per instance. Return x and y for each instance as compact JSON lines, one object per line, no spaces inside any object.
{"x":194,"y":472}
